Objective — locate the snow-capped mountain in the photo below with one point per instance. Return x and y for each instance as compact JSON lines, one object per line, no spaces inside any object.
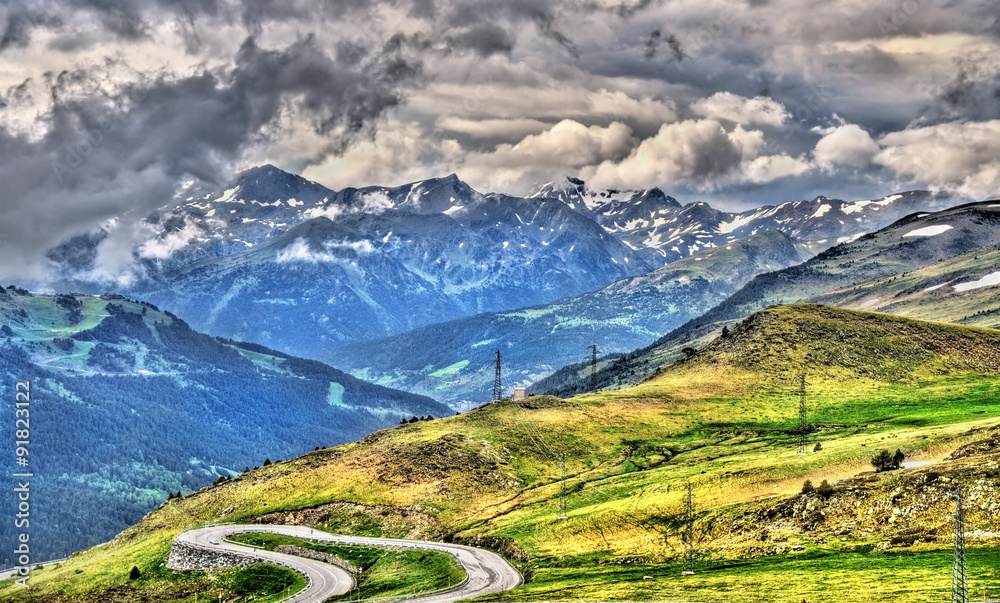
{"x":286,"y":262}
{"x":276,"y":253}
{"x":661,"y":230}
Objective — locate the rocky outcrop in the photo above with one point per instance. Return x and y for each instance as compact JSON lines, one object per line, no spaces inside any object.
{"x":187,"y":558}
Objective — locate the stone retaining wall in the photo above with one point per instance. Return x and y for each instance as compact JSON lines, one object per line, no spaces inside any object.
{"x":186,"y":558}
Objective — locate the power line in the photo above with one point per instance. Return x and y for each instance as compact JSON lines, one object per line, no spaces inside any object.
{"x":688,"y":535}
{"x":497,"y":387}
{"x":803,"y":422}
{"x":593,"y":368}
{"x":959,"y":577}
{"x":562,"y":502}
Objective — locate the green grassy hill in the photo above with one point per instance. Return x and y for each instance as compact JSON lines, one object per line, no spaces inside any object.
{"x":130,"y":404}
{"x":724,"y":421}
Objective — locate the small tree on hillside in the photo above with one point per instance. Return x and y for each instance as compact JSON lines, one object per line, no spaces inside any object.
{"x":825,"y":489}
{"x":884,"y":461}
{"x":134,"y":574}
{"x":808,"y":487}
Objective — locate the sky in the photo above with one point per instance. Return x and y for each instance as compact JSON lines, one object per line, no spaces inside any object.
{"x":109,"y":107}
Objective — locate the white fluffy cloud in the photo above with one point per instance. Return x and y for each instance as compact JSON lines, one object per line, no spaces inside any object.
{"x":845,"y":145}
{"x":747,"y":111}
{"x":772,"y":167}
{"x":568,"y":143}
{"x":962,"y":155}
{"x":692,"y":151}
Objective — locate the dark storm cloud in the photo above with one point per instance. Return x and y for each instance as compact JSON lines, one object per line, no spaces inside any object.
{"x":106,"y":152}
{"x":484,"y":39}
{"x":973,"y":93}
{"x":656,"y":37}
{"x":544,"y":14}
{"x":126,"y":19}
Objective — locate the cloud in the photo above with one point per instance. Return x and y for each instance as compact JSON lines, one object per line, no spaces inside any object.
{"x":300,"y":251}
{"x":691,"y":151}
{"x":100,"y":153}
{"x":375,"y":202}
{"x":747,"y":111}
{"x":845,"y":145}
{"x":773,"y":167}
{"x":162,"y":247}
{"x":963,"y":156}
{"x":567,"y":147}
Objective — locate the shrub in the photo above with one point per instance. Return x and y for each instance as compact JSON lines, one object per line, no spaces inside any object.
{"x":134,"y":574}
{"x":817,"y":447}
{"x":807,"y":487}
{"x":267,"y":462}
{"x":825,"y":489}
{"x":884,"y":461}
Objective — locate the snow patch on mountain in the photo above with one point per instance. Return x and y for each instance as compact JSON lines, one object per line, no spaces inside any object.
{"x":990,"y":280}
{"x":929,"y":231}
{"x":229,"y":196}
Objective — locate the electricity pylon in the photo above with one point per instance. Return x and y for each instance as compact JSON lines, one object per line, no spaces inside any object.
{"x":959,"y":578}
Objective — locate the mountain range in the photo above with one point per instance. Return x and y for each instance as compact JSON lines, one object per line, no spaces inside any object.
{"x":285,"y":262}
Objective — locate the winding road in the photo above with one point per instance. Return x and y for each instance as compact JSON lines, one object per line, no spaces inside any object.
{"x":486,"y":572}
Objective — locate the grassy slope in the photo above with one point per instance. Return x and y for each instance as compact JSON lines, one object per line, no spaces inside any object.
{"x":724,"y":421}
{"x":929,"y":293}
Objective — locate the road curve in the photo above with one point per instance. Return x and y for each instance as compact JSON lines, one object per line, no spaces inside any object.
{"x":486,"y":572}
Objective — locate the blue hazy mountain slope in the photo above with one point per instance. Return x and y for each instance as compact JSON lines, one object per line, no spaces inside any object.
{"x":130,"y":404}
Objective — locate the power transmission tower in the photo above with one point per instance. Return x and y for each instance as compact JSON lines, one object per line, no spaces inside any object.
{"x":562,"y":494}
{"x":497,"y":387}
{"x":803,"y":422}
{"x":959,"y":582}
{"x":688,"y":535}
{"x":593,"y":368}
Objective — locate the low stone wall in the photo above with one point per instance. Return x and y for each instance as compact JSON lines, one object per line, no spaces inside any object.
{"x":317,"y":555}
{"x":186,"y":558}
